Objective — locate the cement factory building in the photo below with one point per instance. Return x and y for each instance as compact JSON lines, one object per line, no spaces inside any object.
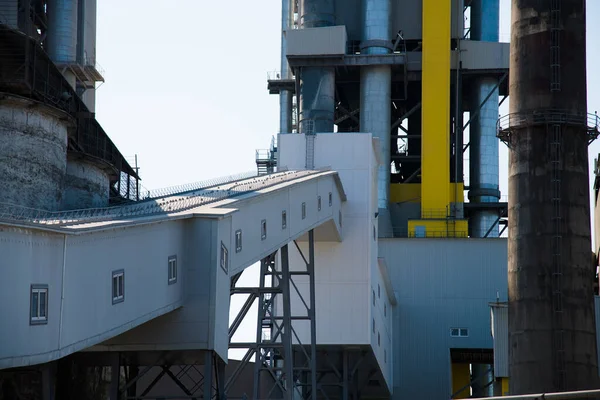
{"x":384,"y":274}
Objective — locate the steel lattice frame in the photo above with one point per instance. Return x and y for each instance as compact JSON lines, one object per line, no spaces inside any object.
{"x":279,"y":352}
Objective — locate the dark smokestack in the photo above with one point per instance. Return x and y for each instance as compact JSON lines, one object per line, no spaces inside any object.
{"x":550,"y":271}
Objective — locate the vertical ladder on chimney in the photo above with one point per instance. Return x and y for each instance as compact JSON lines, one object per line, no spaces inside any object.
{"x":556,"y":189}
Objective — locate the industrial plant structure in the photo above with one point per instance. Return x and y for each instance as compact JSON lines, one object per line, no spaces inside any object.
{"x":383,"y":273}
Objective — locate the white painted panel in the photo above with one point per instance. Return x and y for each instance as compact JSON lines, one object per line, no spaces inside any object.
{"x":88,"y":308}
{"x":28,"y":259}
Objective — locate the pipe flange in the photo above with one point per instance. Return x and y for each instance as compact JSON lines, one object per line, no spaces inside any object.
{"x":483,"y":192}
{"x":366,"y":44}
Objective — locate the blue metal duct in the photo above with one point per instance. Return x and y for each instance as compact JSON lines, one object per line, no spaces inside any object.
{"x":375,"y":97}
{"x":285,"y":96}
{"x":61,"y":42}
{"x":317,"y":84}
{"x":483,"y":165}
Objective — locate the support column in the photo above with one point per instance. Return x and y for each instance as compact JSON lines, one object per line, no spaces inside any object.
{"x":279,"y":351}
{"x":208,"y":375}
{"x":115,"y":374}
{"x":49,"y":381}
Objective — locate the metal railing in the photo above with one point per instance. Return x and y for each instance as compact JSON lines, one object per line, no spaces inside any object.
{"x":583,"y":394}
{"x":12,"y":212}
{"x":276,"y":76}
{"x":519,"y":120}
{"x":403,"y":232}
{"x":190,"y":187}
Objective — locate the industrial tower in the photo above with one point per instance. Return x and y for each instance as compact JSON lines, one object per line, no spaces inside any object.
{"x":375,"y":74}
{"x":417,"y":74}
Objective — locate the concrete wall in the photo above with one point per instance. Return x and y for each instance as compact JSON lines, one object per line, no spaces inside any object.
{"x":85,"y":186}
{"x":33,"y":148}
{"x":440,"y":284}
{"x":346,"y":273}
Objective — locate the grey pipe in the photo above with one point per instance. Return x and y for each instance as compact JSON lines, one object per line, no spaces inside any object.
{"x":483,"y":165}
{"x":317,"y":84}
{"x":61,"y":41}
{"x":375,"y":96}
{"x":285,"y":96}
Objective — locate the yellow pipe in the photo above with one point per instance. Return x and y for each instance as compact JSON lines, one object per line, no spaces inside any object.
{"x":435,"y":108}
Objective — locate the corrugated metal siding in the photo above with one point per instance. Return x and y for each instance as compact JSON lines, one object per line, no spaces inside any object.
{"x":440,"y":284}
{"x":8,"y":13}
{"x":597,"y":315}
{"x":500,"y":335}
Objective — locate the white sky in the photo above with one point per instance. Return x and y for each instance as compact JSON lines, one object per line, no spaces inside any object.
{"x":186,"y":84}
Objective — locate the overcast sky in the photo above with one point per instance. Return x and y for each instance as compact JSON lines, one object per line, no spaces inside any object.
{"x":186,"y":85}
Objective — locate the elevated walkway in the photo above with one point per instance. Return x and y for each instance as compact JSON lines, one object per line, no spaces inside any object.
{"x":104,"y":272}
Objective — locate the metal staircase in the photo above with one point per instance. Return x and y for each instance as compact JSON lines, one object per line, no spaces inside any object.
{"x":266,"y":160}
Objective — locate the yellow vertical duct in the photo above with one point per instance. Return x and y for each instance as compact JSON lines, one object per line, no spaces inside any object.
{"x":435,"y":109}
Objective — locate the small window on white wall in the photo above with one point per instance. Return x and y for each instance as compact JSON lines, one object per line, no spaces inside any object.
{"x":319,"y":203}
{"x":378,"y":291}
{"x":373,"y":297}
{"x":118,"y":286}
{"x":385,"y":356}
{"x":38,"y":313}
{"x":283,"y":219}
{"x":224,"y":258}
{"x":373,"y":325}
{"x":263,"y":229}
{"x":238,"y":240}
{"x":172,"y":269}
{"x":378,"y":339}
{"x":385,"y":309}
{"x":330,"y":199}
{"x":303,"y":210}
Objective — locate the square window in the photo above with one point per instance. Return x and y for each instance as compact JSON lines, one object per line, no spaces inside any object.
{"x":319,"y":203}
{"x":224,"y":258}
{"x":459,"y":332}
{"x":172,"y":269}
{"x":330,"y":199}
{"x":283,"y":219}
{"x":118,"y":286}
{"x":263,"y":229}
{"x":238,"y":240}
{"x":38,"y":313}
{"x":303,"y":210}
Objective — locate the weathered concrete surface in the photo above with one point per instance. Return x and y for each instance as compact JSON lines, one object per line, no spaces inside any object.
{"x":85,"y":186}
{"x":550,"y":270}
{"x":33,"y":154}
